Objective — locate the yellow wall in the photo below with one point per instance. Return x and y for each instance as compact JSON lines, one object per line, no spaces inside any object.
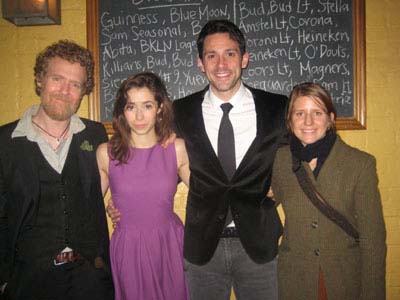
{"x":19,"y":45}
{"x":18,"y":49}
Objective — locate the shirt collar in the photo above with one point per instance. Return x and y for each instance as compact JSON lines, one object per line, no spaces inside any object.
{"x":25,"y":127}
{"x":236,"y":100}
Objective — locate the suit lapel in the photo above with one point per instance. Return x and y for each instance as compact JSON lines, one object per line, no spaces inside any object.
{"x":28,"y":176}
{"x":199,"y":132}
{"x":27,"y":168}
{"x":261,"y":116}
{"x":200,"y":129}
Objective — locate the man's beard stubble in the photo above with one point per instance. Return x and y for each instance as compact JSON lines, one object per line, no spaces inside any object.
{"x":61,"y":109}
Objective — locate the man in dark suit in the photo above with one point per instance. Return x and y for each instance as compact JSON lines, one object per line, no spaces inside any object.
{"x":53,"y":230}
{"x":232,"y":227}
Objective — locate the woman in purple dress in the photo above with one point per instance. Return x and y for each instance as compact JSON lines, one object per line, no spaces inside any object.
{"x":146,"y":245}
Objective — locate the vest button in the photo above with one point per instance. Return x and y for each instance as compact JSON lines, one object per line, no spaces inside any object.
{"x":98,"y":262}
{"x":63,"y":196}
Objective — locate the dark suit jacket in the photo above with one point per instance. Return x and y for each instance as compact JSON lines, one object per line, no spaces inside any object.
{"x":211,"y":193}
{"x":19,"y":189}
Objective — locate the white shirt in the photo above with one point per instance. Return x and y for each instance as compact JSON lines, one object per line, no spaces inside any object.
{"x":56,"y":159}
{"x":242,"y":116}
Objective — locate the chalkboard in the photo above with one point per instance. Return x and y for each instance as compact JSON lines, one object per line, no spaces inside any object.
{"x":289,"y":41}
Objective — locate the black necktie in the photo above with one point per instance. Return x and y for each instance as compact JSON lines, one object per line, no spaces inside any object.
{"x":226,"y":142}
{"x":226,"y":148}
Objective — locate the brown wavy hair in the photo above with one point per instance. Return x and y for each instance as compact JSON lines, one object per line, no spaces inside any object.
{"x":318,"y":93}
{"x":71,"y":52}
{"x":120,"y":142}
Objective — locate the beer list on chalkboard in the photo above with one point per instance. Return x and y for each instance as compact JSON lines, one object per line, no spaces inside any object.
{"x":289,"y":41}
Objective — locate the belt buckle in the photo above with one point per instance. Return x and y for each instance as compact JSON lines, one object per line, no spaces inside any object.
{"x":229,"y":232}
{"x":63,"y":260}
{"x":59,"y":264}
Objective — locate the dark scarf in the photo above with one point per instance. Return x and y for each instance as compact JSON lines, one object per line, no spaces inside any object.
{"x":320,"y":149}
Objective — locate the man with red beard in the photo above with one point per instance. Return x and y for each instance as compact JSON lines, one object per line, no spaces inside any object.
{"x":53,"y":230}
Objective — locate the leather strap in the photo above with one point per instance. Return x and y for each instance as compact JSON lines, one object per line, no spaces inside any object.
{"x":319,"y":201}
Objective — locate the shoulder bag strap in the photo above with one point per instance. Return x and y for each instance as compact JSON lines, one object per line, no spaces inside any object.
{"x":319,"y":201}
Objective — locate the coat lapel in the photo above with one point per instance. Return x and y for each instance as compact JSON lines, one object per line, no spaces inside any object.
{"x":199,"y":133}
{"x":28,"y":176}
{"x":26,"y":168}
{"x":261,"y":116}
{"x":331,"y":169}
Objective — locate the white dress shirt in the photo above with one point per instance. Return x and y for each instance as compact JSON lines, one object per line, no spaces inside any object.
{"x":242,"y":116}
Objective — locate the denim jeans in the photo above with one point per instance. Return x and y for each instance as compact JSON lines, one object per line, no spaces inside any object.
{"x":232,"y":267}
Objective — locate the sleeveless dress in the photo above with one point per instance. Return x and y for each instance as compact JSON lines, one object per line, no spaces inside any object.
{"x":147,"y":243}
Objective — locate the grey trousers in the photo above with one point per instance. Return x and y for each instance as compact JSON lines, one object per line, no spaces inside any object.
{"x":232,"y":267}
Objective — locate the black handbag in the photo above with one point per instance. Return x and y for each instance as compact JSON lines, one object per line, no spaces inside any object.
{"x":319,"y":201}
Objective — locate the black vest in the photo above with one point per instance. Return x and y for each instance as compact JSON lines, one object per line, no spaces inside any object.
{"x":63,"y":216}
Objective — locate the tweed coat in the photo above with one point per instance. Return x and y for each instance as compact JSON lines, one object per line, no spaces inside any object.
{"x":352,"y":270}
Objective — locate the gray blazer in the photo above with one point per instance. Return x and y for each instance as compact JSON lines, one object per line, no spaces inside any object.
{"x":352,"y":270}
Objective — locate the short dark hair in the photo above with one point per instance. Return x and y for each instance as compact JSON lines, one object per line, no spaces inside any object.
{"x":71,"y":52}
{"x":315,"y":91}
{"x":221,"y":26}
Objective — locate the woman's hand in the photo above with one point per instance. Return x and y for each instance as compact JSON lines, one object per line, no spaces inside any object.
{"x":169,"y":140}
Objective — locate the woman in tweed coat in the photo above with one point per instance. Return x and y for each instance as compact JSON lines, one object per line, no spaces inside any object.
{"x":317,"y":259}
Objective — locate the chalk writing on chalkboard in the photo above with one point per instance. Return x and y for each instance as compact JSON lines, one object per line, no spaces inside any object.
{"x":289,"y":41}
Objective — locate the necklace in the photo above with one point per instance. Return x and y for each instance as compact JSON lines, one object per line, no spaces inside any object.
{"x":57,"y":138}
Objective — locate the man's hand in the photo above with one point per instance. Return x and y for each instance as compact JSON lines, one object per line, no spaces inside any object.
{"x":112,"y":212}
{"x":270,"y":194}
{"x":2,"y":290}
{"x":169,"y":140}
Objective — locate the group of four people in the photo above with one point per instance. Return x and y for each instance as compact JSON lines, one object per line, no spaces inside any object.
{"x":53,"y":235}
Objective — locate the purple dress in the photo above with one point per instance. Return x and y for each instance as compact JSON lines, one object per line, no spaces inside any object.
{"x":146,"y":245}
